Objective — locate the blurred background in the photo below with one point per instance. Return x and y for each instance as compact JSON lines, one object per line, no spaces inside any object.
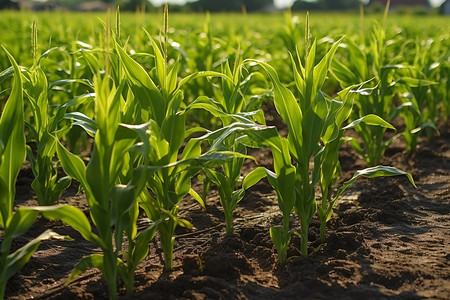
{"x":415,"y":6}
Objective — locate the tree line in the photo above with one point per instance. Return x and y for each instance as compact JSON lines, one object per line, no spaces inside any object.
{"x":213,"y":5}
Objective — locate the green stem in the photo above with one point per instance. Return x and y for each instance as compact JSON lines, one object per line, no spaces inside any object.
{"x":229,"y":222}
{"x":323,"y":226}
{"x":304,"y":238}
{"x":168,"y":252}
{"x":326,"y":202}
{"x":129,"y":281}
{"x":286,"y":237}
{"x":110,"y":273}
{"x":286,"y":218}
{"x":2,"y":290}
{"x":110,"y":263}
{"x":166,"y":231}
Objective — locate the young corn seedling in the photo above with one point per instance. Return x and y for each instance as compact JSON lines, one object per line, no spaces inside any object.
{"x":314,"y":123}
{"x":227,"y":178}
{"x":163,"y":108}
{"x":231,"y":106}
{"x":414,"y":112}
{"x":43,"y":125}
{"x":365,"y":64}
{"x":305,"y":120}
{"x":47,"y":186}
{"x":146,"y":102}
{"x":328,"y":156}
{"x":419,"y":109}
{"x":12,"y":156}
{"x":113,"y":204}
{"x":283,"y":181}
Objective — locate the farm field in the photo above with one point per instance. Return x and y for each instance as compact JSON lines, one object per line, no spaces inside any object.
{"x":387,"y":240}
{"x":228,"y":156}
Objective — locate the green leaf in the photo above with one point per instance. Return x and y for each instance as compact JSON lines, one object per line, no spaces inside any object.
{"x":73,"y":217}
{"x":72,"y":165}
{"x":281,"y":241}
{"x":60,"y":83}
{"x":424,"y":126}
{"x":61,"y":112}
{"x":142,"y":242}
{"x":197,"y":197}
{"x":414,"y":82}
{"x":377,"y":171}
{"x":83,"y":121}
{"x":321,"y":69}
{"x":16,"y":225}
{"x":200,"y":75}
{"x":173,"y":126}
{"x":254,"y":177}
{"x":143,"y":87}
{"x":370,"y":119}
{"x":12,"y":140}
{"x":15,"y":261}
{"x":218,"y":111}
{"x":286,"y":105}
{"x":86,"y":263}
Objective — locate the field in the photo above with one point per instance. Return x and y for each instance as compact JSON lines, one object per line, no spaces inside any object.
{"x":226,"y":156}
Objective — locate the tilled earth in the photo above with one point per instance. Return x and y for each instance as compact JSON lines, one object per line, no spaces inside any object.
{"x":386,"y":239}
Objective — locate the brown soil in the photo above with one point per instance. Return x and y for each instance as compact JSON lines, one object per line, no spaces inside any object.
{"x":385,"y":240}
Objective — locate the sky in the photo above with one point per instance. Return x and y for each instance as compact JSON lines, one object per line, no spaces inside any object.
{"x":278,"y":3}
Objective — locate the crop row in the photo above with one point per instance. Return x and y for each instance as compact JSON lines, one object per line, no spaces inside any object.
{"x":147,"y":122}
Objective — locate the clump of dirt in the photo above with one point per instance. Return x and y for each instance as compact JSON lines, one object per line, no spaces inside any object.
{"x":386,"y":239}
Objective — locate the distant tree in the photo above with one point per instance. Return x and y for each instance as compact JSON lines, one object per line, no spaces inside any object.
{"x":307,"y":5}
{"x":341,"y":4}
{"x":255,"y":5}
{"x":326,"y":4}
{"x":131,"y":5}
{"x":216,"y":5}
{"x":229,"y":5}
{"x":8,"y":4}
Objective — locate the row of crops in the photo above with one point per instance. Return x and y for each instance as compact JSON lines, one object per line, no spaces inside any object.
{"x":134,"y":113}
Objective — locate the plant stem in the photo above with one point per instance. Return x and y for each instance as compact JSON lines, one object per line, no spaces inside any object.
{"x":166,"y":231}
{"x":323,"y":226}
{"x":304,"y":237}
{"x":2,"y":290}
{"x":286,"y":237}
{"x":229,"y":222}
{"x":129,"y":281}
{"x":110,"y":273}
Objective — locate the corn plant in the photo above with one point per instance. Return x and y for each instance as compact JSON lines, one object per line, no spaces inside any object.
{"x":420,"y":107}
{"x":314,"y":123}
{"x":283,"y":181}
{"x":47,"y":186}
{"x":113,"y":205}
{"x":167,"y":135}
{"x":12,"y":156}
{"x":230,"y":105}
{"x":372,"y":62}
{"x":328,"y":156}
{"x":414,"y":112}
{"x":305,"y":121}
{"x":163,"y":108}
{"x":235,"y":138}
{"x":41,"y":128}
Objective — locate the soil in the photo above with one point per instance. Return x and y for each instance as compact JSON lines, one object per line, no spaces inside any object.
{"x":385,"y":240}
